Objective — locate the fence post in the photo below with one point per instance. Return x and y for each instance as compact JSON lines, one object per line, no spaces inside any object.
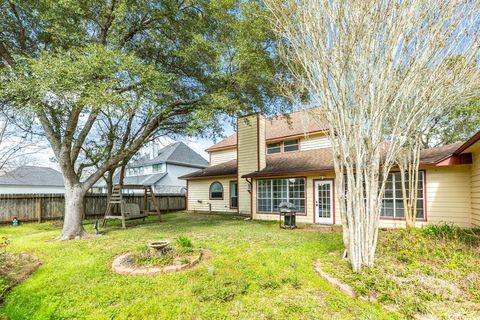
{"x":40,"y":209}
{"x":168,"y":204}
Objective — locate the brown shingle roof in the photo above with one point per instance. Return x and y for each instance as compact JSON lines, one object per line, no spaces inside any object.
{"x":317,"y":160}
{"x":297,"y":123}
{"x":228,"y":168}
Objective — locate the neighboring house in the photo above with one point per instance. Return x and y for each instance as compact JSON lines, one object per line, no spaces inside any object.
{"x":31,"y":179}
{"x":269,"y":161}
{"x":162,"y":171}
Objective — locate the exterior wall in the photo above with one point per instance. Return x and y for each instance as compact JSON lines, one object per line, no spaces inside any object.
{"x":199,"y":198}
{"x":249,"y":148}
{"x":448,"y":198}
{"x":173,"y":172}
{"x":221,"y":156}
{"x":314,"y":142}
{"x":10,"y":189}
{"x":476,"y":188}
{"x":308,"y":217}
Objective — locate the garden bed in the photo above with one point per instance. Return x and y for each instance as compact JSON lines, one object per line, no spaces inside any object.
{"x":14,"y":268}
{"x":431,"y":272}
{"x":181,"y":256}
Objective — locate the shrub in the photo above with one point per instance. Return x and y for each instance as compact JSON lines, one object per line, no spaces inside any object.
{"x":184,"y":242}
{"x":451,"y":232}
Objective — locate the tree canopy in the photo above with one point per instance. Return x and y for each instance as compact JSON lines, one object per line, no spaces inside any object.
{"x":99,"y":78}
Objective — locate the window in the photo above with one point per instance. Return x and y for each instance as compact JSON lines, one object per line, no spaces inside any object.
{"x":392,"y":204}
{"x":216,"y":191}
{"x":159,"y":167}
{"x":233,"y":194}
{"x":270,"y":193}
{"x":273,"y":147}
{"x":393,"y":198}
{"x":291,"y":145}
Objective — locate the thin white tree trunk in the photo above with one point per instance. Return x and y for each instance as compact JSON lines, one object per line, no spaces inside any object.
{"x":74,"y":211}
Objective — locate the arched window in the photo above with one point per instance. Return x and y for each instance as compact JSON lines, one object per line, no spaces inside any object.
{"x":216,"y":191}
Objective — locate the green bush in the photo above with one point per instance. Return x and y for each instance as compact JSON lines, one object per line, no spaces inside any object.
{"x":450,"y":232}
{"x":184,"y":242}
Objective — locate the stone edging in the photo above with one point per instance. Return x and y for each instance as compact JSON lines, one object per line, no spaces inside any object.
{"x":119,"y":267}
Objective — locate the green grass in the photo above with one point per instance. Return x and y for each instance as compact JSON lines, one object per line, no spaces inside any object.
{"x":257,"y":271}
{"x":433,"y":270}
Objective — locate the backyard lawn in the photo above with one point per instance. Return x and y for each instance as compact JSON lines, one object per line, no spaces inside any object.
{"x":256,"y":271}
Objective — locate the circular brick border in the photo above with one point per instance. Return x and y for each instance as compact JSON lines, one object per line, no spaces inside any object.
{"x":119,"y":266}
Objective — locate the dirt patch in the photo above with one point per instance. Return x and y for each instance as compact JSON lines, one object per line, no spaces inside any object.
{"x":15,"y":268}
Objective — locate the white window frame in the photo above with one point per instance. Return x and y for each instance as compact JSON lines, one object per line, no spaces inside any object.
{"x":297,"y":144}
{"x":394,"y":198}
{"x":270,"y":195}
{"x":269,"y":148}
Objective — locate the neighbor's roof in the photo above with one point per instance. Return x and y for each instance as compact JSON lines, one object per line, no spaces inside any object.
{"x":296,"y":123}
{"x":145,"y":180}
{"x":317,"y":160}
{"x":32,"y":176}
{"x":175,"y":153}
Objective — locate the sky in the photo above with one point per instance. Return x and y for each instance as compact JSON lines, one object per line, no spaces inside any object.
{"x":43,"y":155}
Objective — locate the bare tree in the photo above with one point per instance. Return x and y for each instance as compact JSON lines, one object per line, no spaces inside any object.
{"x":408,"y":161}
{"x":379,"y":69}
{"x":15,"y":146}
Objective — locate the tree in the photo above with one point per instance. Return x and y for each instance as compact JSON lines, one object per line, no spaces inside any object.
{"x":459,"y":124}
{"x":100,"y":78}
{"x":15,"y":147}
{"x":380,"y":70}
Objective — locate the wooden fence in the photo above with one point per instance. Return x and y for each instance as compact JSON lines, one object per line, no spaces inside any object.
{"x":41,"y":207}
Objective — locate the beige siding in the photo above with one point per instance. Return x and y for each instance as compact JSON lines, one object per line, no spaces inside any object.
{"x":476,"y":188}
{"x":448,"y":199}
{"x":314,"y":142}
{"x":449,"y":195}
{"x":221,"y":156}
{"x":198,"y":196}
{"x":247,"y":158}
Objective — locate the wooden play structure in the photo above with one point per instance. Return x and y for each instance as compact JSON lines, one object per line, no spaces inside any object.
{"x":130,"y":211}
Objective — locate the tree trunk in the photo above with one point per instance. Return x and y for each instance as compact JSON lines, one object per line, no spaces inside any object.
{"x":74,"y":212}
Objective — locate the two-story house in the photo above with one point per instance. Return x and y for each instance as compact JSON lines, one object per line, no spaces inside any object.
{"x":161,"y":170}
{"x":269,"y":161}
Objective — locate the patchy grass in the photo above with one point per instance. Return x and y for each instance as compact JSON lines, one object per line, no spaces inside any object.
{"x":257,"y":271}
{"x":433,"y":270}
{"x":14,"y":268}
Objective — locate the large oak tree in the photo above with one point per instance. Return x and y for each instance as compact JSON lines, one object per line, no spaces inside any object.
{"x":99,"y":78}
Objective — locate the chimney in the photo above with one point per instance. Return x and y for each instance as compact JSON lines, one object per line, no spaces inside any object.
{"x":251,"y":154}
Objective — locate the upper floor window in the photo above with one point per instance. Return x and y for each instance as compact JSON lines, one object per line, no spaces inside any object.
{"x":216,"y":191}
{"x":274,"y":147}
{"x":159,"y":167}
{"x":135,"y":171}
{"x":291,"y":145}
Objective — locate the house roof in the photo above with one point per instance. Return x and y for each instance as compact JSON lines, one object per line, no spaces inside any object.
{"x":175,"y":153}
{"x":32,"y":176}
{"x":293,"y":124}
{"x":317,"y":160}
{"x":145,"y":180}
{"x":228,"y":168}
{"x":467,"y":144}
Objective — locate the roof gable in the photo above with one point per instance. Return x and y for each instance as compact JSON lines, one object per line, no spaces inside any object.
{"x":283,"y":126}
{"x":175,"y":153}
